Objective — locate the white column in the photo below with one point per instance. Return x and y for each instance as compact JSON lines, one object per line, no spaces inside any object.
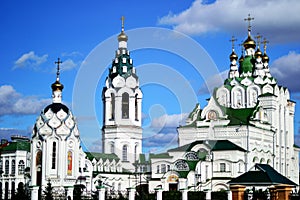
{"x":34,"y":192}
{"x":131,"y":195}
{"x":69,"y":192}
{"x":101,"y":193}
{"x":184,"y":193}
{"x":208,"y":195}
{"x":182,"y":183}
{"x":229,"y":195}
{"x":158,"y":193}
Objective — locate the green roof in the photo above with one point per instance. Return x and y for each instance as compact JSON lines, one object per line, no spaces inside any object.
{"x":239,"y":116}
{"x":103,"y":156}
{"x":217,"y":145}
{"x":160,"y":155}
{"x":17,"y":146}
{"x":263,"y":176}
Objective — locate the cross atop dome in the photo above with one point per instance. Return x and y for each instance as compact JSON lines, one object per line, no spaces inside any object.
{"x":249,"y":19}
{"x":265,"y":42}
{"x":58,"y":62}
{"x":258,"y":37}
{"x":232,"y":40}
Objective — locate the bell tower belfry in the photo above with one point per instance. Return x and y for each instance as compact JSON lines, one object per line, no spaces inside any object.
{"x":122,"y":100}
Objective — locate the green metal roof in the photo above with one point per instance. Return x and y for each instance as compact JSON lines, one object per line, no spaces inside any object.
{"x":161,"y":155}
{"x":103,"y":156}
{"x":239,"y":116}
{"x":217,"y":145}
{"x":263,"y":176}
{"x":247,"y":65}
{"x":17,"y":146}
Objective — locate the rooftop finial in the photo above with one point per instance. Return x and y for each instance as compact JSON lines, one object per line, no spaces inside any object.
{"x":249,"y":19}
{"x":58,"y":62}
{"x":233,"y":39}
{"x":122,"y":19}
{"x":258,"y":37}
{"x":265,"y":42}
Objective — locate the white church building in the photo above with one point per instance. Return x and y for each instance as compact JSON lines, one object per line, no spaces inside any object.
{"x":248,"y":120}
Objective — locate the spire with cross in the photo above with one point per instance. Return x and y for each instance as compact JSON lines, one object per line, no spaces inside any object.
{"x":233,"y":39}
{"x":249,"y":19}
{"x":265,"y":42}
{"x":58,"y":62}
{"x":258,"y":37}
{"x":122,"y":19}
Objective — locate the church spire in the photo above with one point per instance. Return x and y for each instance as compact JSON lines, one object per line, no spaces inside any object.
{"x":57,"y":87}
{"x":122,"y":37}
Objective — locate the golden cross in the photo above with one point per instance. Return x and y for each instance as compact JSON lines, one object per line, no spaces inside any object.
{"x":233,"y":39}
{"x":122,"y":19}
{"x":265,"y":42}
{"x":249,"y":19}
{"x":258,"y":37}
{"x":58,"y":62}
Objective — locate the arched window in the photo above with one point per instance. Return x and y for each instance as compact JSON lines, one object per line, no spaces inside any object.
{"x":124,"y":153}
{"x":21,"y":167}
{"x":70,"y":163}
{"x":53,"y":155}
{"x":136,"y":108}
{"x":6,"y":167}
{"x":13,"y":188}
{"x":112,"y":148}
{"x":135,"y":152}
{"x":112,"y":106}
{"x":13,"y":167}
{"x":163,"y":168}
{"x":125,"y":105}
{"x":1,"y":165}
{"x":157,"y":169}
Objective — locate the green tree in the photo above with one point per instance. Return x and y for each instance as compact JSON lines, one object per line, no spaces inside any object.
{"x":48,"y":191}
{"x":21,"y":194}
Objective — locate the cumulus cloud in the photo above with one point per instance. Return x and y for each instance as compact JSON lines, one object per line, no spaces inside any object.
{"x":213,"y":82}
{"x":169,"y":120}
{"x":286,"y":69}
{"x":161,"y":141}
{"x":31,"y":60}
{"x":227,"y":16}
{"x":69,"y":64}
{"x":14,"y":103}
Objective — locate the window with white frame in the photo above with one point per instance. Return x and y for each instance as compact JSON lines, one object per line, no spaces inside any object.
{"x":21,"y":167}
{"x":13,"y":167}
{"x":222,"y":167}
{"x":6,"y":167}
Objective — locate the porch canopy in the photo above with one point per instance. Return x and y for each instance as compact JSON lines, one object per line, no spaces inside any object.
{"x":262,"y":175}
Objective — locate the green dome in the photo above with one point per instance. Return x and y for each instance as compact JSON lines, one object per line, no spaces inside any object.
{"x":246,"y":65}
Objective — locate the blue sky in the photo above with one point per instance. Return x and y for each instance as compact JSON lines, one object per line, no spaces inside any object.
{"x":35,"y":33}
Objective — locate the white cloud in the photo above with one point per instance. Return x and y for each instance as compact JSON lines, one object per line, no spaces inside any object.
{"x":271,"y":16}
{"x":69,"y":64}
{"x":286,"y":70}
{"x":213,"y":82}
{"x":13,"y":103}
{"x":169,"y":120}
{"x":31,"y":60}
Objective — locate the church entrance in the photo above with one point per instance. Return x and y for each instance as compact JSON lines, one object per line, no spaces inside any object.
{"x":173,"y":186}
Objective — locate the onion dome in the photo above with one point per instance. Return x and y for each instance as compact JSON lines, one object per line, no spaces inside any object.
{"x":57,"y":86}
{"x":233,"y":56}
{"x":265,"y":58}
{"x":249,"y":43}
{"x":122,"y":37}
{"x":258,"y":53}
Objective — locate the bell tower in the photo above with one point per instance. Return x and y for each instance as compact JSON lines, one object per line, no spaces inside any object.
{"x":122,"y":99}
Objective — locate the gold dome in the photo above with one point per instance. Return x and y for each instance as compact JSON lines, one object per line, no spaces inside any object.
{"x":233,"y":56}
{"x":249,"y":43}
{"x":265,"y":57}
{"x":122,"y":37}
{"x":258,"y":53}
{"x":57,"y":86}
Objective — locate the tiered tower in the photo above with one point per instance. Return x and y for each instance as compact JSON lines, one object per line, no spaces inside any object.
{"x":122,"y":99}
